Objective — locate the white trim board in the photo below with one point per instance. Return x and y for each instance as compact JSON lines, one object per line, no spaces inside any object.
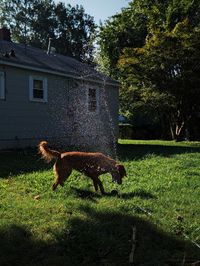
{"x":2,"y":62}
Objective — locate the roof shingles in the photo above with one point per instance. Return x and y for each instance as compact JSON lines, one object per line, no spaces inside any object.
{"x":34,"y":57}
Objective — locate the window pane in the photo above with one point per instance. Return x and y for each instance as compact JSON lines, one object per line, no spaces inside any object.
{"x":92,"y":106}
{"x":38,"y":89}
{"x":37,"y":84}
{"x":38,"y":94}
{"x":92,"y":100}
{"x":92,"y":94}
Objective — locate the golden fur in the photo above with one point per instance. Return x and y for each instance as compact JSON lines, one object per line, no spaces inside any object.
{"x":91,"y":164}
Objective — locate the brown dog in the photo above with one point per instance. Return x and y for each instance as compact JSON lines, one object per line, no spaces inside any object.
{"x":91,"y":164}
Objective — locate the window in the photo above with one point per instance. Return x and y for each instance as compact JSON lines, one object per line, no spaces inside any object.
{"x":92,"y":100}
{"x":37,"y":89}
{"x":2,"y":85}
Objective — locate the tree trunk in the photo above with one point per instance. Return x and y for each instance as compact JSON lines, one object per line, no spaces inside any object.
{"x":176,"y":130}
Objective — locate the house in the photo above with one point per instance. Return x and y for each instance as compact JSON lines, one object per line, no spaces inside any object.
{"x":45,"y":95}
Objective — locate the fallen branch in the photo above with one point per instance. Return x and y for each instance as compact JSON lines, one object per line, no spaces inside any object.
{"x":143,"y":210}
{"x":131,"y":256}
{"x":195,"y":243}
{"x":196,"y":263}
{"x":183,"y":262}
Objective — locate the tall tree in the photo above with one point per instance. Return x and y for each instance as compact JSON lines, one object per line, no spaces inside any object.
{"x":76,"y":30}
{"x":126,"y":29}
{"x":164,"y":68}
{"x":29,"y":21}
{"x":168,"y":63}
{"x":35,"y":21}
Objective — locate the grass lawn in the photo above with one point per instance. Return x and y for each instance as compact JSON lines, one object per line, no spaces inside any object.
{"x":76,"y":226}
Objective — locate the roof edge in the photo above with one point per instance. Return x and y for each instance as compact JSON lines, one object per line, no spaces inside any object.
{"x":3,"y":62}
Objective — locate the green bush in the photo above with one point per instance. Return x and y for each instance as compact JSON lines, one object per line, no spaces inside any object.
{"x":125,"y":131}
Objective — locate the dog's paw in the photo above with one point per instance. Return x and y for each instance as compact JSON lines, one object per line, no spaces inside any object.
{"x":54,"y":186}
{"x":114,"y":192}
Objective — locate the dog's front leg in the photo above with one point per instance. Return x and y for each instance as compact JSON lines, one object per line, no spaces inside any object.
{"x":100,"y":186}
{"x":95,"y":184}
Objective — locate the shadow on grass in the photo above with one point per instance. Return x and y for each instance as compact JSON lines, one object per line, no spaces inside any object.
{"x":18,"y":162}
{"x":139,"y":151}
{"x":102,"y":238}
{"x":138,"y":193}
{"x":89,"y":195}
{"x":85,"y":194}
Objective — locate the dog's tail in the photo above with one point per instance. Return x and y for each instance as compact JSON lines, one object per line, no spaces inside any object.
{"x":47,"y":154}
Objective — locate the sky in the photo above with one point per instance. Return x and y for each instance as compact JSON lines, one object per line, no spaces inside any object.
{"x":99,"y":9}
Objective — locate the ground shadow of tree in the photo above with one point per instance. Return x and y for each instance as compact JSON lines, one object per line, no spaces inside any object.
{"x":23,"y":161}
{"x":102,"y":238}
{"x":139,"y":151}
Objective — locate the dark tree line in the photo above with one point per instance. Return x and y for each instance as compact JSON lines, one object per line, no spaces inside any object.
{"x":35,"y":21}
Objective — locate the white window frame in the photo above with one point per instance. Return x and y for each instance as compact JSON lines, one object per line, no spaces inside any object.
{"x":31,"y":88}
{"x":97,"y":99}
{"x":2,"y":86}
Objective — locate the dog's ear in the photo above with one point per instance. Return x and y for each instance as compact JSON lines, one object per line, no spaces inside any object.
{"x":121,"y":170}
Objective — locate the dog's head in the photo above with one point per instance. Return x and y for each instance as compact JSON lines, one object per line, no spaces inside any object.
{"x":121,"y":172}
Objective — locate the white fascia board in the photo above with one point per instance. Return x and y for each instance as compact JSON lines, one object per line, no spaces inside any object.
{"x":2,"y":62}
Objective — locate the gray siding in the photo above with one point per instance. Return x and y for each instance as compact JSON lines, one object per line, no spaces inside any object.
{"x":64,"y":119}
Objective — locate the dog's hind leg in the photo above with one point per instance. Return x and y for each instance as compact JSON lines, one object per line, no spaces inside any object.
{"x":61,"y":175}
